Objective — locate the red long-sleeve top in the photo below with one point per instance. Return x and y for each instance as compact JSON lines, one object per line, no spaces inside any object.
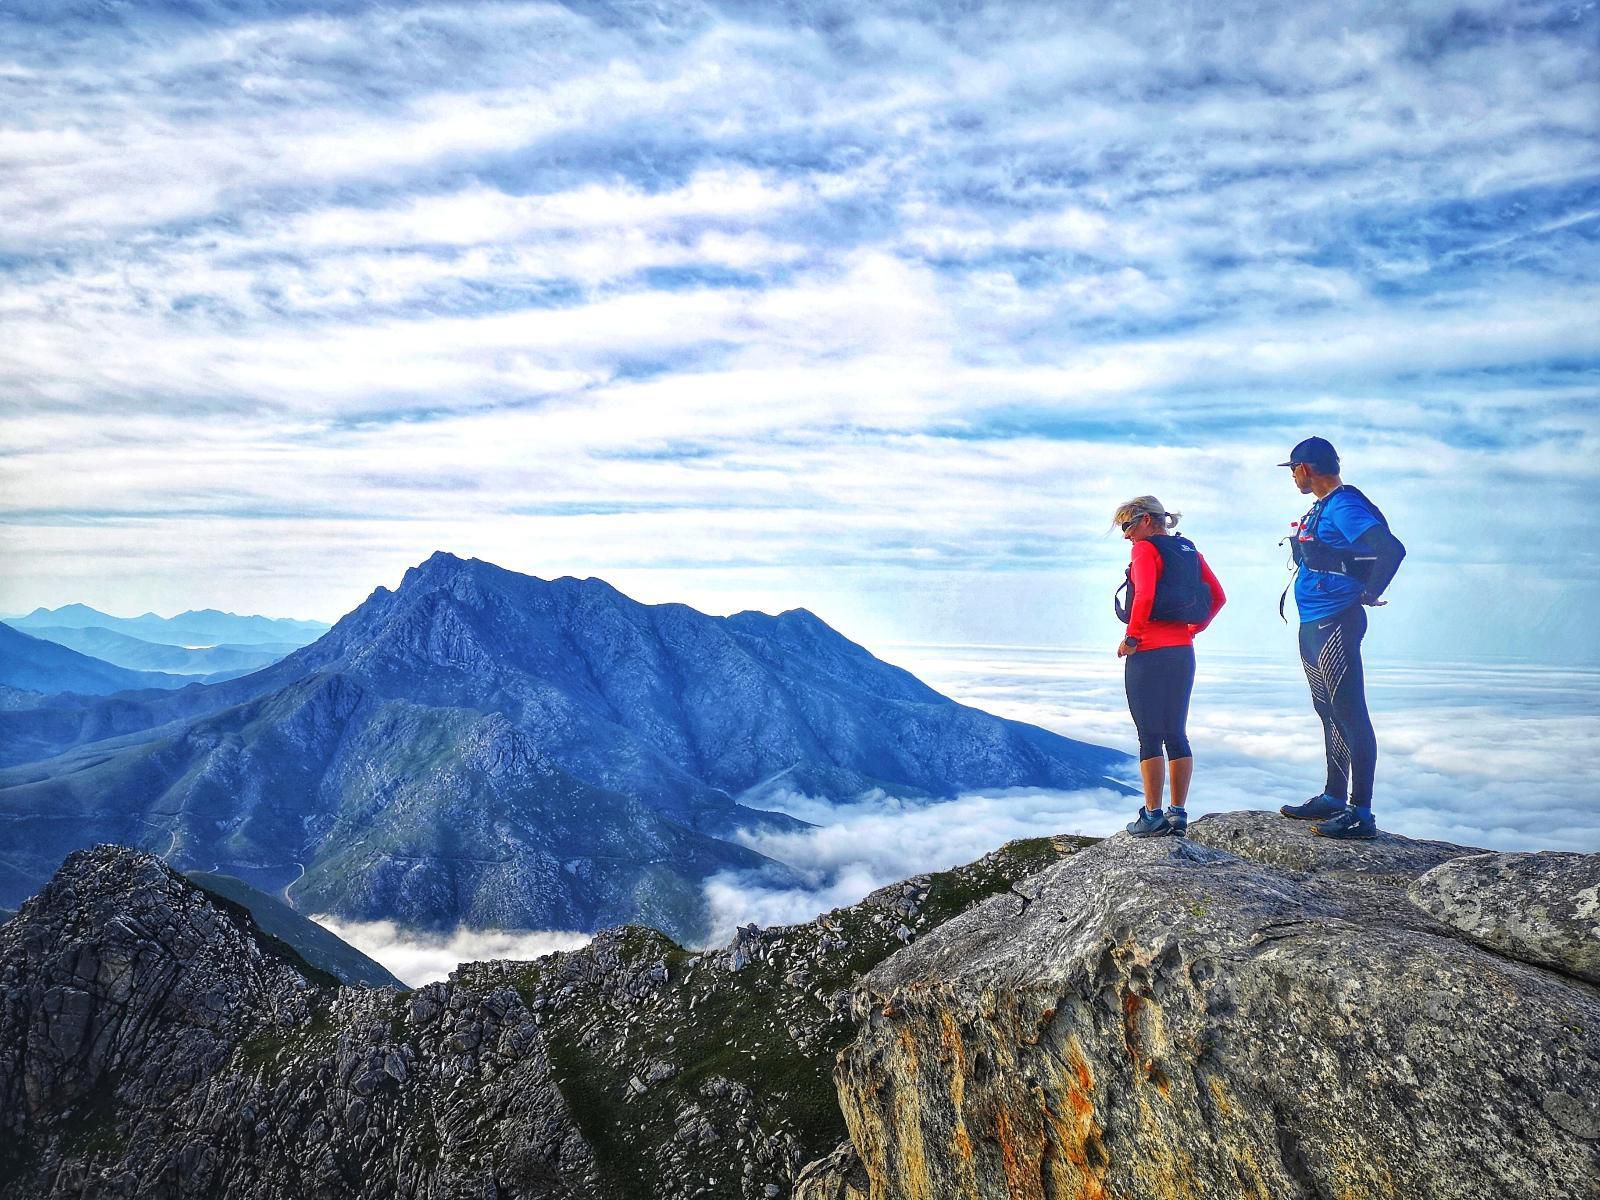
{"x":1154,"y":635}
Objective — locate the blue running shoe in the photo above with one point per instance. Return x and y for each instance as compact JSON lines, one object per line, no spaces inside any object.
{"x":1150,"y":824}
{"x":1349,"y":825}
{"x":1178,"y":819}
{"x":1318,"y":808}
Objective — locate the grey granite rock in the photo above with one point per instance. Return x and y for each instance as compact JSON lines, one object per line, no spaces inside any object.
{"x":154,"y":1043}
{"x":1542,"y":908}
{"x":1277,"y":841}
{"x":1167,"y":1018}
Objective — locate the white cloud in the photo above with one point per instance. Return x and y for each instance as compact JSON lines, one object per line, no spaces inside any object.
{"x":993,"y":270}
{"x":858,"y":847}
{"x":1478,"y":753}
{"x":1485,"y":756}
{"x":482,"y":215}
{"x":416,"y":957}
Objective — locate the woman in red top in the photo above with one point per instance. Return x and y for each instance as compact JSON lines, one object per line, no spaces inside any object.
{"x":1174,"y":597}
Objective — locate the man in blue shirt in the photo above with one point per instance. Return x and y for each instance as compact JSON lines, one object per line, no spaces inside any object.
{"x":1346,"y":557}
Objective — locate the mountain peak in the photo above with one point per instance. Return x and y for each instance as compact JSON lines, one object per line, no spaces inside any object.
{"x":441,"y":563}
{"x":442,"y":568}
{"x":67,"y":610}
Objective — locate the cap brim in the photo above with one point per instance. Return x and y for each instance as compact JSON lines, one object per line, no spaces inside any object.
{"x":1288,"y":464}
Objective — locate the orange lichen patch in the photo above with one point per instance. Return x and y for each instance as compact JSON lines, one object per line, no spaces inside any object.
{"x":908,"y":1047}
{"x":905,"y":1156}
{"x":1082,"y":1082}
{"x":1132,"y":1002}
{"x":1158,"y":1077}
{"x":1022,"y":1181}
{"x":950,"y":1042}
{"x":961,"y":1144}
{"x":1075,"y":1159}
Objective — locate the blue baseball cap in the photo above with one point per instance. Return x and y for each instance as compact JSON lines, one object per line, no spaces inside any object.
{"x":1315,"y":452}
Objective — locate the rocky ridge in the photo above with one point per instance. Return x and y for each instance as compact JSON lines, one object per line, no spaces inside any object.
{"x":154,"y":1043}
{"x":1252,"y":1012}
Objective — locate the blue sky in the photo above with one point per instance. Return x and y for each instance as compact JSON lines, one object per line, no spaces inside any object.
{"x":879,"y":310}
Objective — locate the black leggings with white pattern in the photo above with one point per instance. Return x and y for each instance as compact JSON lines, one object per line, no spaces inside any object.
{"x":1330,"y":652}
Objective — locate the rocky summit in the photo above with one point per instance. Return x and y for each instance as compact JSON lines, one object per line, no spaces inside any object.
{"x":486,"y":748}
{"x":1250,"y":1012}
{"x":154,"y":1043}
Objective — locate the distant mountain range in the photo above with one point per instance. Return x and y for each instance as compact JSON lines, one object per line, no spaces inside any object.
{"x":38,"y":665}
{"x":491,"y":748}
{"x":195,"y":628}
{"x":208,"y":662}
{"x":114,"y":654}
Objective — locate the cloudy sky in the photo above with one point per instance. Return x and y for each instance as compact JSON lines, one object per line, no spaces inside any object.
{"x":874,"y":309}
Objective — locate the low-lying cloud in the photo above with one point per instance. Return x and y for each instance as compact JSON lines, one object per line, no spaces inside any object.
{"x":1496,"y":756}
{"x":416,"y":957}
{"x":857,"y":847}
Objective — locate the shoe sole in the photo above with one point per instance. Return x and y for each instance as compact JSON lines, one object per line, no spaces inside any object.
{"x":1152,"y":833}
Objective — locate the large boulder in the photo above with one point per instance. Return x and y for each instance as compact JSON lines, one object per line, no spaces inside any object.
{"x":1387,"y":860}
{"x":1542,"y":908}
{"x":1167,"y":1018}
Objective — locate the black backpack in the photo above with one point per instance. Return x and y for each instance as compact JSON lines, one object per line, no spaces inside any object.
{"x":1181,"y":594}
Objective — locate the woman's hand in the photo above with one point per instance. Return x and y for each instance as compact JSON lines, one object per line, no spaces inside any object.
{"x":1123,"y":649}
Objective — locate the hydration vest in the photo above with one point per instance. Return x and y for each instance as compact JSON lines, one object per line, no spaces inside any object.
{"x":1181,"y":594}
{"x":1313,"y":554}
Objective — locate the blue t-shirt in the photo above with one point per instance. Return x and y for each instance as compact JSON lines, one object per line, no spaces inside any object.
{"x":1338,"y":519}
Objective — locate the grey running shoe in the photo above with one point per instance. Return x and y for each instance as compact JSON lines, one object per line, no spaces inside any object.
{"x":1178,"y":819}
{"x":1150,"y":824}
{"x":1318,"y":808}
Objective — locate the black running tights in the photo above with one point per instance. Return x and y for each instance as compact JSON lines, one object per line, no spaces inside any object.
{"x":1159,"y":683}
{"x":1330,"y":652}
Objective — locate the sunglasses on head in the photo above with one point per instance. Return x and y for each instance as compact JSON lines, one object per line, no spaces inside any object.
{"x":1127,"y":525}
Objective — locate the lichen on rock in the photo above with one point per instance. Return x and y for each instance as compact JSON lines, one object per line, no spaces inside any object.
{"x":1166,"y":1018}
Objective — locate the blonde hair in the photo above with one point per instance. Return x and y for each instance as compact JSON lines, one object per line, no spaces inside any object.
{"x":1142,"y":506}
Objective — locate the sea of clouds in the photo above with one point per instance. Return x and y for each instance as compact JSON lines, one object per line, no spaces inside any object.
{"x":1505,"y":756}
{"x":1501,"y":755}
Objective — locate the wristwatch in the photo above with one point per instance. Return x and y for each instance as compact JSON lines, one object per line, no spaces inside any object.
{"x":1130,"y":642}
